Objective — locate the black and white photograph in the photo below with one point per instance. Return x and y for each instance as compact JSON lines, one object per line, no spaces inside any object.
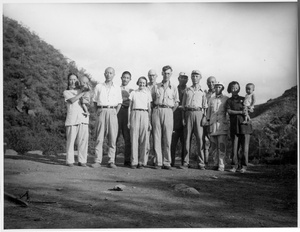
{"x":149,"y":115}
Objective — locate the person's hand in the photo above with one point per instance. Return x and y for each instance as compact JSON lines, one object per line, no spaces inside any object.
{"x":149,"y":127}
{"x":128,"y":125}
{"x":183,"y":122}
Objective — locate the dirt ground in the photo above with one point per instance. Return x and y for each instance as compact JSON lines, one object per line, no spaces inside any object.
{"x":78,"y":197}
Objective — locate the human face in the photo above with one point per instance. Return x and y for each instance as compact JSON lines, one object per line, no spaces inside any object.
{"x":167,"y":75}
{"x":72,"y":82}
{"x":152,"y":76}
{"x":196,"y":78}
{"x":125,"y":79}
{"x":235,"y":89}
{"x":109,"y":74}
{"x":249,"y":89}
{"x":182,"y":80}
{"x":142,"y":83}
{"x":211,"y":82}
{"x":219,"y":89}
{"x":84,"y":82}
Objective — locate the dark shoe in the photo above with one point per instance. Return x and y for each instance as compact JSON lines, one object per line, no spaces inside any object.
{"x":112,"y":165}
{"x":133,"y":166}
{"x":167,"y":167}
{"x":127,"y":164}
{"x":82,"y":164}
{"x":96,"y":165}
{"x":70,"y":165}
{"x":140,"y":166}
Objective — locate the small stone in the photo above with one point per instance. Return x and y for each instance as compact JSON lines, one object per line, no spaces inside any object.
{"x":119,"y":187}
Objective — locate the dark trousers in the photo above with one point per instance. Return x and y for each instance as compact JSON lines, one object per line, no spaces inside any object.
{"x":176,"y":136}
{"x":240,"y":149}
{"x":123,"y":129}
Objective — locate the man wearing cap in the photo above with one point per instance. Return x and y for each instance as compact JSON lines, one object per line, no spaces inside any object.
{"x":107,"y":101}
{"x":219,"y":126}
{"x":165,"y":99}
{"x":178,"y":132}
{"x":194,"y":105}
{"x":206,"y":137}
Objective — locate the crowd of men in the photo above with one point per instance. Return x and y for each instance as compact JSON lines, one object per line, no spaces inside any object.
{"x":176,"y":114}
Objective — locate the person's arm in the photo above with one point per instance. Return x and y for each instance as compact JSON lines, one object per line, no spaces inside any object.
{"x":176,"y":99}
{"x":183,"y":108}
{"x":253,"y":101}
{"x":118,"y":107}
{"x":149,"y":115}
{"x":175,"y":106}
{"x":232,"y":112}
{"x":76,"y":98}
{"x":129,"y":113}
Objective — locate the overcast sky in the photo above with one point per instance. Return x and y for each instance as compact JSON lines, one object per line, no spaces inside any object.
{"x":246,"y":42}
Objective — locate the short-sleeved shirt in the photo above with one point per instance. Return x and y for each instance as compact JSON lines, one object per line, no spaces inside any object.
{"x":194,"y":98}
{"x":209,"y":94}
{"x":125,"y":90}
{"x":177,"y":116}
{"x":216,"y":113}
{"x":75,"y":112}
{"x":107,"y":96}
{"x":140,"y":99}
{"x":165,"y":96}
{"x":236,"y":127}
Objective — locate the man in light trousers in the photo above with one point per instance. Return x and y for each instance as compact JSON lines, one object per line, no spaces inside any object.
{"x":107,"y":101}
{"x":165,"y":101}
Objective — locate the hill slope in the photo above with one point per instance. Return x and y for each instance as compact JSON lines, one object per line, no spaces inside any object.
{"x":275,"y":128}
{"x":35,"y":76}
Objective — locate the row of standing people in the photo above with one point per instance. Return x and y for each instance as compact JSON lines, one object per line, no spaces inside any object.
{"x":171,"y":112}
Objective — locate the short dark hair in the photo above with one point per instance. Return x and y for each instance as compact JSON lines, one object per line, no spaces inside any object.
{"x":251,"y":84}
{"x":142,"y":77}
{"x":231,"y":84}
{"x":126,"y":72}
{"x":165,"y":68}
{"x":69,"y":75}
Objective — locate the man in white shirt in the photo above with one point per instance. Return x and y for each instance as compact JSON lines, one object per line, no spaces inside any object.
{"x":107,"y":101}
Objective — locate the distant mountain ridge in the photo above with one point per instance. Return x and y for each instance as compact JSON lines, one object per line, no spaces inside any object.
{"x":278,"y":110}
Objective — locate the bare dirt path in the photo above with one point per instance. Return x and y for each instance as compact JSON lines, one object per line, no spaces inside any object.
{"x":78,"y":197}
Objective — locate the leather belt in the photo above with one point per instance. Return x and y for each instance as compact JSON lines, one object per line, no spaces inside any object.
{"x":140,"y":110}
{"x":107,"y":107}
{"x":194,"y":109}
{"x":163,"y":106}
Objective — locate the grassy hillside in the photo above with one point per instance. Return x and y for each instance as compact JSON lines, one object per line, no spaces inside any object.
{"x":275,"y":129}
{"x":35,"y":76}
